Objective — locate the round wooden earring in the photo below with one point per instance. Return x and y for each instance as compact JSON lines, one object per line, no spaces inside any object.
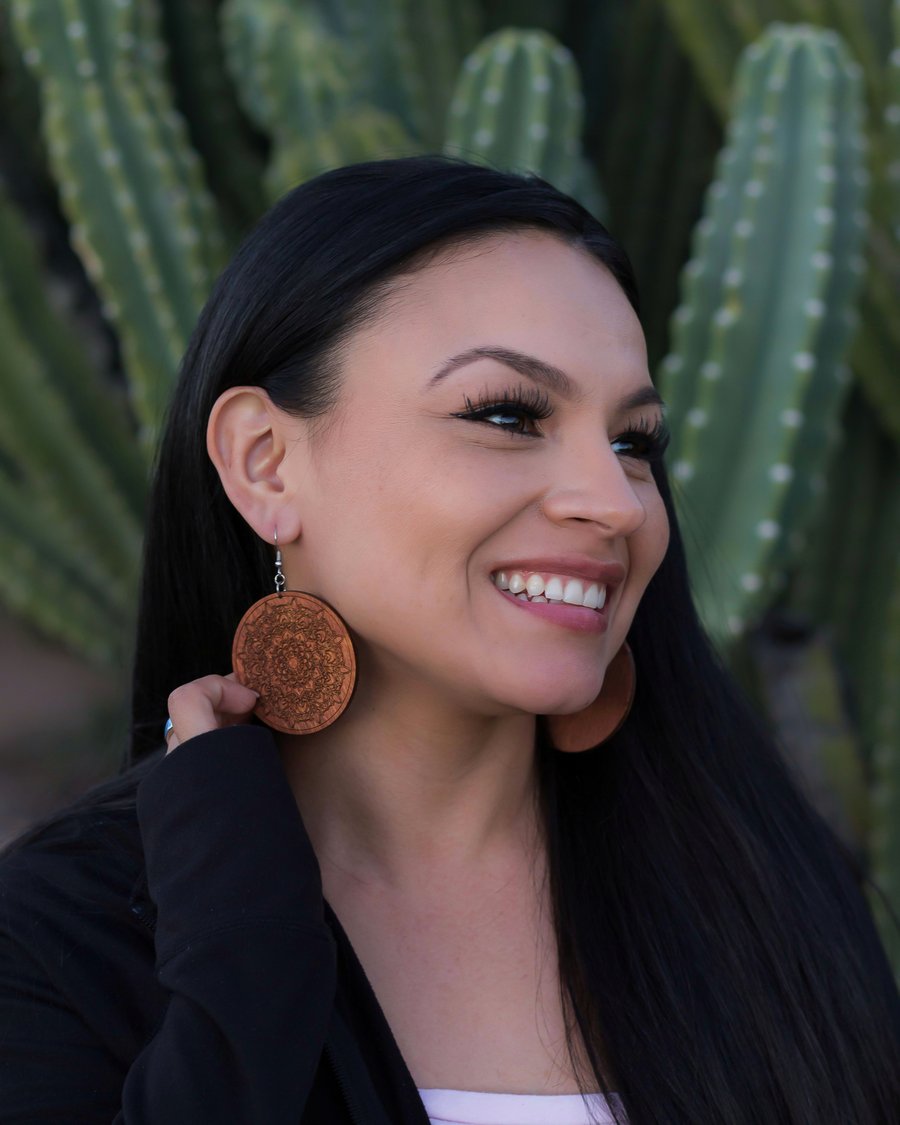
{"x":601,"y":719}
{"x":295,"y":650}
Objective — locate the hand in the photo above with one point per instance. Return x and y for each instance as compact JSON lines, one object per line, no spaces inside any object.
{"x":208,"y":704}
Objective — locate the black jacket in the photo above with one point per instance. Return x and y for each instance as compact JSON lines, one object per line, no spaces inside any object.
{"x":177,"y":963}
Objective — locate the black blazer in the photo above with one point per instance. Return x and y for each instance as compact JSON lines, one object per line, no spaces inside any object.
{"x":176,"y":962}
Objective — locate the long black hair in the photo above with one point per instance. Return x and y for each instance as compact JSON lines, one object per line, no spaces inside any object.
{"x":716,"y":952}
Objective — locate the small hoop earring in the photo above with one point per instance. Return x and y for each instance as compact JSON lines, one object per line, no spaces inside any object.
{"x":295,"y":650}
{"x":600,"y":720}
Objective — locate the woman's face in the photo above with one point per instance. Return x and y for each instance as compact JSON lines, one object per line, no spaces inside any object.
{"x":409,"y":506}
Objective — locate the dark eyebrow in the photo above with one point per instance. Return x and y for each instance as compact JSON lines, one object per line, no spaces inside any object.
{"x":539,"y":371}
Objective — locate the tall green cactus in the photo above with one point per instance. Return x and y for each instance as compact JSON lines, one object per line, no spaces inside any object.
{"x":71,"y":481}
{"x":518,"y":105}
{"x":755,"y":376}
{"x":143,"y":222}
{"x":298,"y":84}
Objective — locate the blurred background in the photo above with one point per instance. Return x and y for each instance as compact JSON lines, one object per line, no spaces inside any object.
{"x":747,"y":154}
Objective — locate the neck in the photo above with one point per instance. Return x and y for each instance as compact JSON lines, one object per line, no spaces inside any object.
{"x":401,"y":792}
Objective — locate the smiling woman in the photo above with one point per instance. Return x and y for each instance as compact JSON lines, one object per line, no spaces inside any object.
{"x":535,"y":858}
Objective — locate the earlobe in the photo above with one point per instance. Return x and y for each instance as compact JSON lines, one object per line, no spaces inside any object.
{"x":247,"y":447}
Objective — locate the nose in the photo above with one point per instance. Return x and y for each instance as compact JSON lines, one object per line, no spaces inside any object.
{"x":594,"y":488}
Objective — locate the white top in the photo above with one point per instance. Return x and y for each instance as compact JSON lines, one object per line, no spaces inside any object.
{"x":471,"y":1107}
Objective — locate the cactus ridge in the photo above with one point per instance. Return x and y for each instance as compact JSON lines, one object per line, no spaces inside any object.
{"x":510,"y":70}
{"x":747,"y":367}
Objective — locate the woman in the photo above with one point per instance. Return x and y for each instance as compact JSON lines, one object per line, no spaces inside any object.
{"x":494,"y":872}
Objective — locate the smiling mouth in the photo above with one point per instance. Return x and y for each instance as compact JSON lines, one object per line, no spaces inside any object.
{"x":558,"y":589}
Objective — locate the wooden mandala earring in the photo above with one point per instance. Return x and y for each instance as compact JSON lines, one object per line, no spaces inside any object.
{"x":602,"y":718}
{"x":295,"y":650}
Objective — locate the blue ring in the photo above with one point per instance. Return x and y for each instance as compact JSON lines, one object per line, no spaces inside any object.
{"x":166,"y":729}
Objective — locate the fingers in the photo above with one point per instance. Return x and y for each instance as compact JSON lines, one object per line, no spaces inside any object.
{"x":206,"y":704}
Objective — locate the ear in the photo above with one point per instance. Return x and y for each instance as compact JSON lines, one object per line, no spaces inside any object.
{"x":246,"y":439}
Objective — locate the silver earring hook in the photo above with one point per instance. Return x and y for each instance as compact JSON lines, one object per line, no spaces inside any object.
{"x":279,"y":577}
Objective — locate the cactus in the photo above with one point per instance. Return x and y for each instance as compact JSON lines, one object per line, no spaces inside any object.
{"x":297,"y":84}
{"x":69,"y":533}
{"x":142,"y":220}
{"x":510,"y":70}
{"x":205,"y":96}
{"x":755,"y":377}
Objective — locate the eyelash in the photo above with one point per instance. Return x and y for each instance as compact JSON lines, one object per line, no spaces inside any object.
{"x":534,"y":404}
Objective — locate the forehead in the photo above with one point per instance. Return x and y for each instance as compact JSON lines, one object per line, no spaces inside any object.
{"x":529,"y":291}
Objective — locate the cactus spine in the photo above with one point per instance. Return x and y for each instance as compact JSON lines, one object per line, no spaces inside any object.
{"x":754,"y":376}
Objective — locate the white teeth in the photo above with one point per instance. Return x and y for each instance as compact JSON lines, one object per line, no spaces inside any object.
{"x":554,"y":590}
{"x":574,"y":592}
{"x":534,"y":585}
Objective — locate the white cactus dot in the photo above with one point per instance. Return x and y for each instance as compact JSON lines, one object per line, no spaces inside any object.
{"x":705,"y":227}
{"x":492,"y":95}
{"x":827,"y":137}
{"x":824,"y":215}
{"x":683,"y":470}
{"x":503,"y":53}
{"x":743,"y":228}
{"x":711,"y":370}
{"x":562,"y":55}
{"x":86,"y":68}
{"x":483,"y":137}
{"x":766,"y":125}
{"x":814,"y":307}
{"x":540,"y":83}
{"x":754,"y":188}
{"x":763,"y":153}
{"x":724,"y":316}
{"x":697,"y":417}
{"x":472,"y":63}
{"x":895,"y":57}
{"x":735,"y":625}
{"x":138,"y":240}
{"x":718,"y":189}
{"x":892,"y":115}
{"x":803,"y":361}
{"x":776,"y":82}
{"x":694,"y":267}
{"x":791,"y":418}
{"x":537,"y":130}
{"x":733,"y":277}
{"x":751,"y":582}
{"x":32,"y":56}
{"x":110,"y":158}
{"x":684,"y":314}
{"x":75,"y":29}
{"x":767,"y":529}
{"x":672,"y":363}
{"x":781,"y":473}
{"x":826,"y":174}
{"x":821,"y":260}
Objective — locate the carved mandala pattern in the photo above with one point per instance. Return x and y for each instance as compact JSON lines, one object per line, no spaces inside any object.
{"x":296,"y":652}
